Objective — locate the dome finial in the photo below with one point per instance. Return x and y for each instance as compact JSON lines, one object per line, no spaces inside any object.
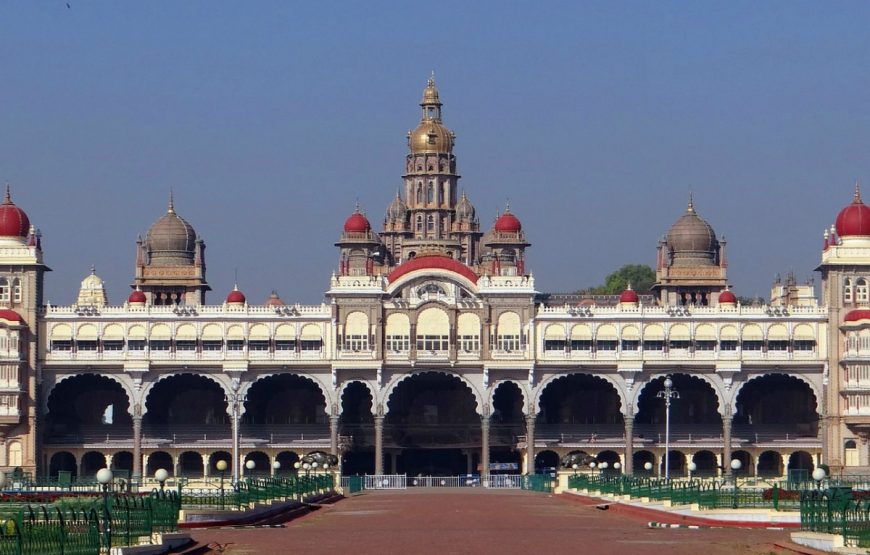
{"x":171,"y":209}
{"x":93,"y":270}
{"x":691,"y":208}
{"x":431,"y":81}
{"x":857,"y":198}
{"x":8,"y":198}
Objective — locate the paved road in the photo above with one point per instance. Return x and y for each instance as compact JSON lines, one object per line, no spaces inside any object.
{"x":482,"y":522}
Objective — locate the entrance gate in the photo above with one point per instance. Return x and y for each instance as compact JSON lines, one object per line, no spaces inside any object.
{"x":495,"y":481}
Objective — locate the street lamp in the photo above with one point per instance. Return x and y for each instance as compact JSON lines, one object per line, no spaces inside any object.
{"x":574,"y":466}
{"x":221,"y":465}
{"x":648,"y":466}
{"x":592,"y":467}
{"x":616,"y":466}
{"x":104,"y":477}
{"x":667,"y":394}
{"x":250,"y":465}
{"x":735,"y":466}
{"x":161,"y":474}
{"x":692,"y":467}
{"x":603,"y":467}
{"x":818,"y":475}
{"x":276,"y":466}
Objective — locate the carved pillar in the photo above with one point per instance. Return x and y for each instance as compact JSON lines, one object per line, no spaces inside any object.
{"x":236,"y":421}
{"x":137,"y":446}
{"x":484,"y":447}
{"x":379,"y":444}
{"x":530,"y":444}
{"x":628,"y":465}
{"x":333,"y":434}
{"x":784,"y":457}
{"x":205,"y":468}
{"x":726,"y":449}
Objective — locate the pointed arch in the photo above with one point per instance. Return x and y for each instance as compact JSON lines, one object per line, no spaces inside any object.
{"x":814,"y":389}
{"x":609,"y":380}
{"x":324,"y":390}
{"x":128,"y":391}
{"x":654,"y":378}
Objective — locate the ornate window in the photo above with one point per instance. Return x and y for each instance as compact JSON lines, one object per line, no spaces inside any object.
{"x":861,"y":290}
{"x":419,"y":222}
{"x":16,"y":290}
{"x":4,"y":290}
{"x":847,"y":291}
{"x":430,"y":193}
{"x":430,"y":223}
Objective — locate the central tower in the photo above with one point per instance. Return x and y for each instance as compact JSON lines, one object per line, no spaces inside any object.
{"x":431,"y":219}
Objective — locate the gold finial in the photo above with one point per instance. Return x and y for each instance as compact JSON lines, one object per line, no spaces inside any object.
{"x":628,"y":286}
{"x":431,"y":82}
{"x":691,"y":208}
{"x":8,"y":198}
{"x":507,"y":205}
{"x":171,"y":209}
{"x":857,"y":198}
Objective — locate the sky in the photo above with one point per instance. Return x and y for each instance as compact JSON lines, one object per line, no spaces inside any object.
{"x":270,"y":120}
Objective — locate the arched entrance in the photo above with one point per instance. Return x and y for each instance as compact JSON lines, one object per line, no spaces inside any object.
{"x":288,"y":459}
{"x":432,"y":425}
{"x":358,"y":423}
{"x":580,"y":407}
{"x":92,"y":461}
{"x":186,"y":405}
{"x":776,"y":407}
{"x":705,"y":464}
{"x":158,"y":460}
{"x":89,"y":406}
{"x":63,"y":461}
{"x":800,"y":465}
{"x":190,"y":465}
{"x":262,"y":466}
{"x":546,"y":461}
{"x":122,"y":464}
{"x":285,"y":407}
{"x":770,"y":464}
{"x":640,"y":461}
{"x":508,"y":422}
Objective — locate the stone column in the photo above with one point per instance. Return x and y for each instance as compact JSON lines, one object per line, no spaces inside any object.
{"x":333,"y":434}
{"x":379,"y":444}
{"x":236,"y":418}
{"x":205,"y":459}
{"x":726,"y":450}
{"x":530,"y":444}
{"x":784,"y":457}
{"x":628,"y":466}
{"x":484,"y":447}
{"x":137,"y":447}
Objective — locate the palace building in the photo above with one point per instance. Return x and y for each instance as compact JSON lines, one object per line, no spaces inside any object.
{"x":434,"y":353}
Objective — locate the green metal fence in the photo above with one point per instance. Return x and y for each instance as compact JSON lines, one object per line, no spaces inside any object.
{"x":538,"y":482}
{"x":837,"y":510}
{"x":706,"y":493}
{"x":256,"y":490}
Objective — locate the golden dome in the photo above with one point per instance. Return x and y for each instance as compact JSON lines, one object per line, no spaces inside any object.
{"x":430,"y":137}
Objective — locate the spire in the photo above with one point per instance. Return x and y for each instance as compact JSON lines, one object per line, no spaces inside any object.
{"x":93,"y":270}
{"x":691,"y":208}
{"x":8,"y":198}
{"x":171,"y":209}
{"x":857,"y":198}
{"x":432,"y":79}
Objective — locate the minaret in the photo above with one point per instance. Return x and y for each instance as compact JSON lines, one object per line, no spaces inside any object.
{"x":429,"y":224}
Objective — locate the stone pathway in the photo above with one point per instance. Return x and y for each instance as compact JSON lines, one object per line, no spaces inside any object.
{"x":482,"y":522}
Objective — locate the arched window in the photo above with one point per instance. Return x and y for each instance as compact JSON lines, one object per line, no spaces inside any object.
{"x":16,"y":290}
{"x":861,"y":290}
{"x":851,"y":452}
{"x":419,"y":193}
{"x":847,"y":291}
{"x":419,"y":222}
{"x":430,"y":223}
{"x":430,"y":193}
{"x":4,"y":290}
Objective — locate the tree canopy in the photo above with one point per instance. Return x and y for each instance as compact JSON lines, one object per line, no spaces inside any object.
{"x":641,"y":277}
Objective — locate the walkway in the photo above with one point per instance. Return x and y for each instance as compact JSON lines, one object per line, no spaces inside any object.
{"x":481,"y":522}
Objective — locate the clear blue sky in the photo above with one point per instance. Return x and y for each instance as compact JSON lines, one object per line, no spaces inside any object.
{"x":270,"y":119}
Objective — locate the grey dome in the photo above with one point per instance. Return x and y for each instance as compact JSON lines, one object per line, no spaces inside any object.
{"x":464,"y":210}
{"x":171,"y":240}
{"x":692,"y":240}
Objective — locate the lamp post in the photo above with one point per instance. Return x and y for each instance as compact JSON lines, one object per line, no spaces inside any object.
{"x":735,"y":466}
{"x":667,"y":394}
{"x":592,"y":466}
{"x":221,"y":465}
{"x":250,"y":465}
{"x":616,"y":466}
{"x":104,"y":477}
{"x":818,"y":475}
{"x":603,"y":467}
{"x":648,"y":466}
{"x":692,"y":467}
{"x":276,"y":466}
{"x":574,"y":466}
{"x":161,"y":475}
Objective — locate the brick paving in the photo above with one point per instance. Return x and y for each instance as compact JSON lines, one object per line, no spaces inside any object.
{"x":482,"y":522}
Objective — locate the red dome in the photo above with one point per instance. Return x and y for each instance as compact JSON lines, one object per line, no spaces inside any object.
{"x":854,"y":219}
{"x":629,"y":296}
{"x":13,"y":221}
{"x":136,"y":297}
{"x":236,"y":296}
{"x":357,"y":223}
{"x":727,"y":297}
{"x":432,"y":262}
{"x":857,"y":314}
{"x":10,"y":315}
{"x":508,"y":223}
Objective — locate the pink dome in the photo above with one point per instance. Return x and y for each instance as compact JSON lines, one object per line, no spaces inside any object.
{"x":508,"y":223}
{"x":236,"y":297}
{"x":136,"y":297}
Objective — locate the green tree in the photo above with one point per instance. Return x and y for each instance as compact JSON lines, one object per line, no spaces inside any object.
{"x":641,"y":277}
